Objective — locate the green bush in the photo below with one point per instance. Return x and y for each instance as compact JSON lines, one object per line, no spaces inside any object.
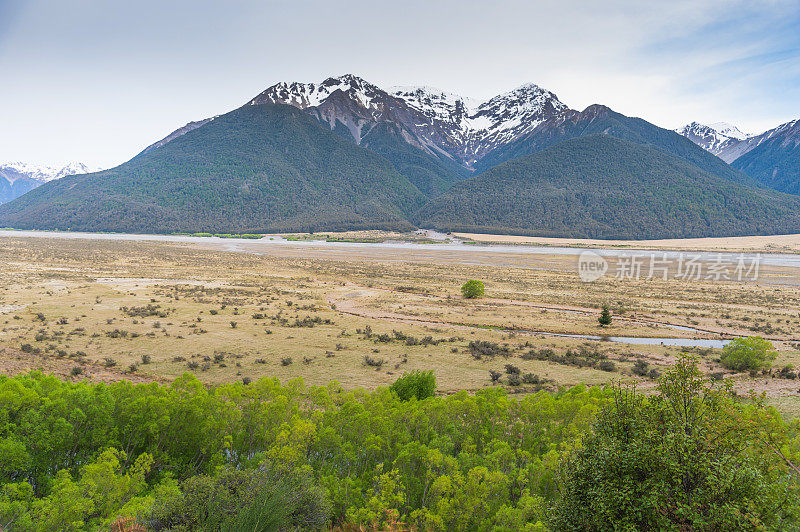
{"x":256,"y":500}
{"x":673,"y":462}
{"x":419,"y":384}
{"x":472,"y":289}
{"x":748,"y":354}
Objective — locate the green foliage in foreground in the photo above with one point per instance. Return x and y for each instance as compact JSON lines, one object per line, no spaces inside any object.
{"x":472,"y":289}
{"x":748,"y":354}
{"x":74,"y":456}
{"x":680,"y":460}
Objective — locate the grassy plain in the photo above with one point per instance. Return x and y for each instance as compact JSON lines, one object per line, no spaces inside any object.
{"x":361,"y":315}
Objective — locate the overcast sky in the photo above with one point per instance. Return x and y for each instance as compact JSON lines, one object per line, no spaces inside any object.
{"x":98,"y":80}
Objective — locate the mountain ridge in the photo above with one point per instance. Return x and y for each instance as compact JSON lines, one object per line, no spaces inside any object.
{"x":347,"y":154}
{"x":573,"y":189}
{"x":772,"y":158}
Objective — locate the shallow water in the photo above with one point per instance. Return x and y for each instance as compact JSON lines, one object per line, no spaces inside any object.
{"x":452,"y":245}
{"x":644,"y":340}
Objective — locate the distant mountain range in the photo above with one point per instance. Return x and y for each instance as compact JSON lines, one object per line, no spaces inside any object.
{"x":17,"y":178}
{"x":772,"y":158}
{"x":347,"y":154}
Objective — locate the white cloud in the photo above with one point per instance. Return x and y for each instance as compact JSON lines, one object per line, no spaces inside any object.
{"x":97,"y":81}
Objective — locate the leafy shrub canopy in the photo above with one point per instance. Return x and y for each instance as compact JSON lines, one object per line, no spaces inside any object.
{"x":748,"y":354}
{"x":419,"y":384}
{"x":472,"y":289}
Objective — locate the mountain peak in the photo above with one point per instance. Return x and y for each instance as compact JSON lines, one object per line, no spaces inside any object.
{"x":719,"y":138}
{"x":729,"y":130}
{"x":435,"y":120}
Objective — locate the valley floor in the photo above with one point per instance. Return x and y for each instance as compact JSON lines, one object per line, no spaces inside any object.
{"x":750,"y":244}
{"x":364,"y":314}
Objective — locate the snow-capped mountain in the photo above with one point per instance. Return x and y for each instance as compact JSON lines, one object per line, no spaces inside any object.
{"x":719,"y":138}
{"x":480,"y":127}
{"x":439,"y":122}
{"x":39,"y":172}
{"x":729,"y":144}
{"x":17,"y":178}
{"x":729,"y":130}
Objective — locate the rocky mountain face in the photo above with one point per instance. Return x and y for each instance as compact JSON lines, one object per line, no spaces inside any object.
{"x":17,"y":178}
{"x":720,"y":139}
{"x":437,"y":122}
{"x":191,"y":126}
{"x":771,"y":158}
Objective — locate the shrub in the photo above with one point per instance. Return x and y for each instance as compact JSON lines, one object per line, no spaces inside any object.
{"x":748,"y":354}
{"x":373,"y":362}
{"x":606,"y":365}
{"x":419,"y":384}
{"x":530,"y":378}
{"x":253,"y":500}
{"x":481,"y":348}
{"x":641,"y":368}
{"x":472,"y":289}
{"x":514,"y":379}
{"x":75,"y":371}
{"x":286,"y":361}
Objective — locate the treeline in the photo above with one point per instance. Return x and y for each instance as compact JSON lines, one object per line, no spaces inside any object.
{"x":262,"y":456}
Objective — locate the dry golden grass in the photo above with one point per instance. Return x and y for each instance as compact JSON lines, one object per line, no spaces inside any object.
{"x":226,"y":316}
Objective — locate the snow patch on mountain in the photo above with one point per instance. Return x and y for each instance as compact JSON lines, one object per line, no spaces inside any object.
{"x":728,"y":143}
{"x":18,"y":178}
{"x":13,"y":171}
{"x":305,"y":95}
{"x":729,"y":130}
{"x":720,"y":138}
{"x":437,"y":121}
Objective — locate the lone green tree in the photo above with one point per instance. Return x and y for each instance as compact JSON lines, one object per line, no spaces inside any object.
{"x":748,"y":354}
{"x":472,"y":289}
{"x":605,"y":316}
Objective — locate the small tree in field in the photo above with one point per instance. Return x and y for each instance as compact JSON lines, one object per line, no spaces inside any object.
{"x":605,"y":317}
{"x":748,"y":354}
{"x":472,"y":289}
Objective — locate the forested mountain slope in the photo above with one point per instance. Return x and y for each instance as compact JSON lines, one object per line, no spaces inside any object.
{"x":600,"y":186}
{"x":256,"y":169}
